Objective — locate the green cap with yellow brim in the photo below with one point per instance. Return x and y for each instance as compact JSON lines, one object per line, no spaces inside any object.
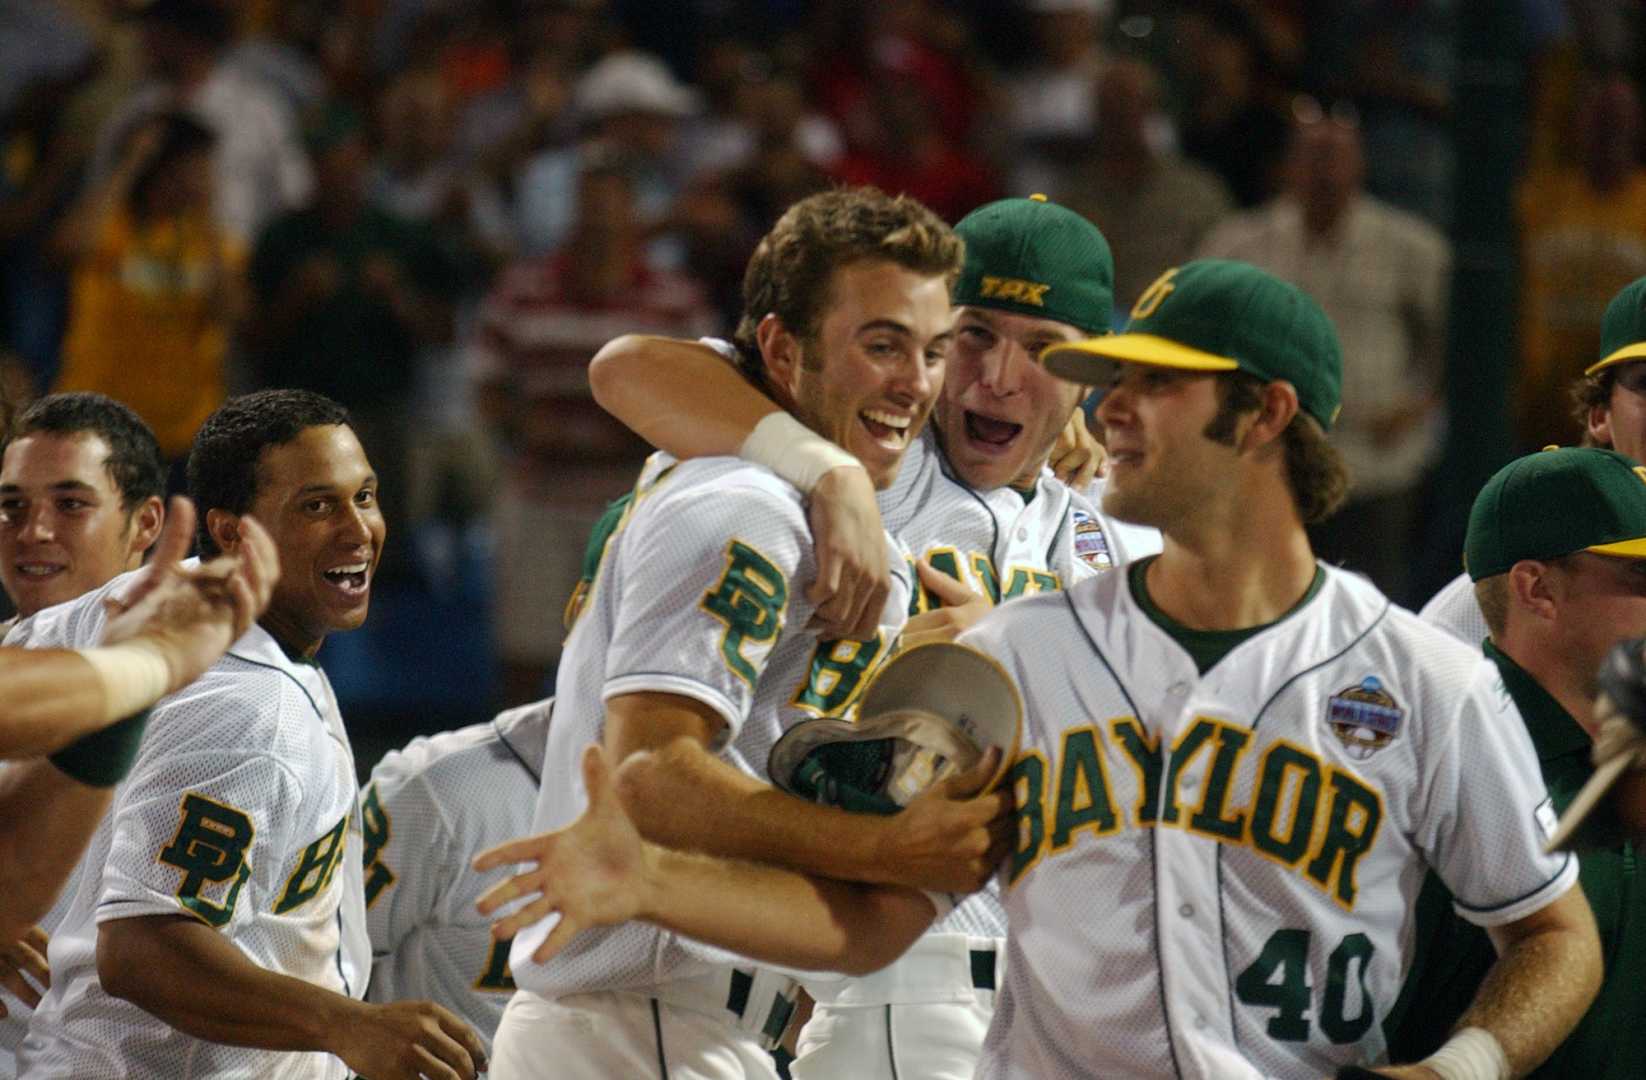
{"x":1557,"y":502}
{"x":1623,"y":328}
{"x":1220,"y":315}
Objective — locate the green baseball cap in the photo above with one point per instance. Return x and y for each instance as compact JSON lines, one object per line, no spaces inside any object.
{"x":1033,"y":257}
{"x":1220,"y":315}
{"x":1623,"y":328}
{"x":1557,"y":502}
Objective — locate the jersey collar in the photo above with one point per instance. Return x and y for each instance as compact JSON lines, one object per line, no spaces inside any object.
{"x":1554,"y":733}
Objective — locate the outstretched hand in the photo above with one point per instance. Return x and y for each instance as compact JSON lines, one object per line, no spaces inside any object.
{"x":591,"y":873}
{"x":191,"y":614}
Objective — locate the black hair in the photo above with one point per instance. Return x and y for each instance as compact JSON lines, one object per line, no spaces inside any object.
{"x":223,"y":460}
{"x":134,"y":462}
{"x":180,"y":136}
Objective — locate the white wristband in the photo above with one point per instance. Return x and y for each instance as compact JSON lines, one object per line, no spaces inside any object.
{"x":134,"y":675}
{"x":793,"y":451}
{"x":1472,"y":1054}
{"x":943,"y":902}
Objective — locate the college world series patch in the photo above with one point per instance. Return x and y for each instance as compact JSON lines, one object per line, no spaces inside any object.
{"x":1364,"y":717}
{"x":1090,"y":542}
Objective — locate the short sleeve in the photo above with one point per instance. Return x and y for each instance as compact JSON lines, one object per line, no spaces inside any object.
{"x":199,"y":833}
{"x":407,"y":851}
{"x":707,"y":581}
{"x":1488,"y":812}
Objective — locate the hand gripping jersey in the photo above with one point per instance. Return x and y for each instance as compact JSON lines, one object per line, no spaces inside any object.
{"x":1455,"y":610}
{"x":427,"y":812}
{"x":239,"y":812}
{"x":702,"y":595}
{"x":1214,"y":874}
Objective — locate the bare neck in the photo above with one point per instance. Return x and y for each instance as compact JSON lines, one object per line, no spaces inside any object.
{"x":1569,"y":680}
{"x":1236,"y":566}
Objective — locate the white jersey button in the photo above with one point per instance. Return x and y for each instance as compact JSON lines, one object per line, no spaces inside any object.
{"x":1188,"y":782}
{"x":1178,"y":689}
{"x":1023,"y":534}
{"x":1187,"y":911}
{"x":1200,"y":1021}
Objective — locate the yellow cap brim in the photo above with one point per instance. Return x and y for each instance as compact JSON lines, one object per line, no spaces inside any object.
{"x":1626,"y":549}
{"x":1637,"y":351}
{"x":1092,"y":361}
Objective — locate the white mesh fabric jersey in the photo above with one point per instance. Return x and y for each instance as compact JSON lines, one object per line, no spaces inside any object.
{"x":1455,"y":610}
{"x":240,"y":812}
{"x":428,"y":811}
{"x":701,"y":594}
{"x":1215,"y":874}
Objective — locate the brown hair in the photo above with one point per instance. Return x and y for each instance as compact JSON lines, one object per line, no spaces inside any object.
{"x":1588,"y":392}
{"x":790,"y":272}
{"x":1314,"y":469}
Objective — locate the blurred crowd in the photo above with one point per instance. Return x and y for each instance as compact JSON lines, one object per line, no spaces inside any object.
{"x":435,"y":211}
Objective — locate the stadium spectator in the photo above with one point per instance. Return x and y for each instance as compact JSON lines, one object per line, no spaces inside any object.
{"x":260,"y":168}
{"x":1383,"y":275}
{"x":566,"y":458}
{"x":157,"y":283}
{"x":1153,"y":205}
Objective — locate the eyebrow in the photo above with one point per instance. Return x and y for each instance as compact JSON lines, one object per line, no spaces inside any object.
{"x":61,"y":485}
{"x":885,"y":324}
{"x":326,"y":489}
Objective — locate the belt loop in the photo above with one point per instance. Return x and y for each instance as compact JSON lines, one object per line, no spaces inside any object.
{"x":983,"y":969}
{"x":738,"y":999}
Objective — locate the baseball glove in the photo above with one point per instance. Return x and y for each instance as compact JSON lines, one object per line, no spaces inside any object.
{"x":1620,"y":744}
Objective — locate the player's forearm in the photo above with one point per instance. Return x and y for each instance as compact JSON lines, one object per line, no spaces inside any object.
{"x":781,"y":916}
{"x":680,"y":396}
{"x":1540,"y":987}
{"x":48,"y":699}
{"x":46,"y":818}
{"x":194,"y":979}
{"x":680,"y":796}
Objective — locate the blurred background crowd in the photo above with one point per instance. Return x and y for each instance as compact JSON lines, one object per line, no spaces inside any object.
{"x":435,"y":211}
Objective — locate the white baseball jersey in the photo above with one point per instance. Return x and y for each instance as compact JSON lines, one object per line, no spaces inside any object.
{"x":1215,"y":873}
{"x":1455,"y":610}
{"x":701,"y":595}
{"x":427,"y":812}
{"x":238,"y":812}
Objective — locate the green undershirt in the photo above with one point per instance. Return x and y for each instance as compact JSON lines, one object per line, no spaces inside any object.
{"x":1206,"y":647}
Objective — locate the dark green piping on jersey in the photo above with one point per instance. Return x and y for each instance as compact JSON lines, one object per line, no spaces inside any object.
{"x":1160,"y":971}
{"x":318,"y":712}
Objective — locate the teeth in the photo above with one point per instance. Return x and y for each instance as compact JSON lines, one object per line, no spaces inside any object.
{"x":352,"y":568}
{"x":38,"y":569}
{"x":891,"y":420}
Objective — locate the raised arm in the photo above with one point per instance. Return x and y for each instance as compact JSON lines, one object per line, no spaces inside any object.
{"x":194,"y":979}
{"x":599,"y":872}
{"x":688,"y":399}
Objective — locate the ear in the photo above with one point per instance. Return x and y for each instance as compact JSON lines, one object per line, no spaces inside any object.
{"x":1600,"y":425}
{"x":146,"y":521}
{"x":1534,"y":588}
{"x":224,"y":529}
{"x":1275,"y":411}
{"x":780,"y":348}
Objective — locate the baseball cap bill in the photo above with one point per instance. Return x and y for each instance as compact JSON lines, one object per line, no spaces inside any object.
{"x":1623,"y":328}
{"x":931,"y":710}
{"x":1557,"y":502}
{"x":1220,"y":315}
{"x":1033,"y":257}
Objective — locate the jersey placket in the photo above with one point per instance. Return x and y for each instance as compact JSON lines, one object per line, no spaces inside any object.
{"x":1188,"y":914}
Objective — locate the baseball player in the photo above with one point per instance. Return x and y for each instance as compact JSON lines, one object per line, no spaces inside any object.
{"x":846,"y":309}
{"x":81,"y":488}
{"x":1558,"y":590}
{"x":426,"y":811}
{"x":985,"y":522}
{"x":218,"y":925}
{"x":1610,"y":402}
{"x":1237,"y":763}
